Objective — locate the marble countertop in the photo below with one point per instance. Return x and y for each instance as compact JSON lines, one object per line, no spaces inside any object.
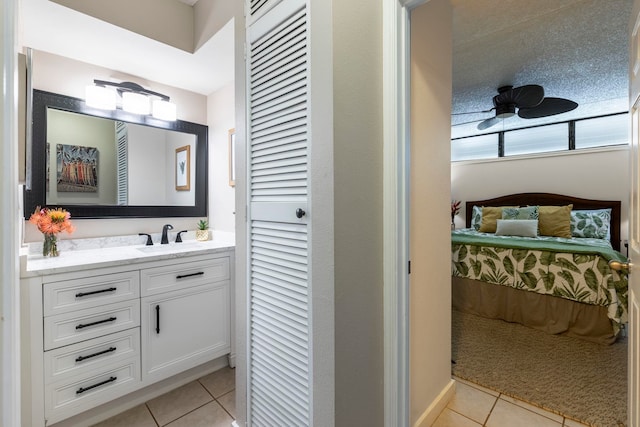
{"x":100,"y":255}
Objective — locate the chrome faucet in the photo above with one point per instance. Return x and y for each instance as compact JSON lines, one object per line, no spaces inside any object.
{"x":165,"y":238}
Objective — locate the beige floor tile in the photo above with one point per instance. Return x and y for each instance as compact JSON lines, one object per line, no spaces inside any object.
{"x":472,"y":403}
{"x":449,"y":418}
{"x":178,"y":402}
{"x":138,"y":416}
{"x":220,"y":382}
{"x":479,"y":387}
{"x":507,"y":414}
{"x":228,"y":402}
{"x":209,"y":415}
{"x":537,"y":410}
{"x":572,"y":423}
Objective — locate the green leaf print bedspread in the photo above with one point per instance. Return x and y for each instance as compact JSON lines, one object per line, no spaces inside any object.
{"x":576,"y":269}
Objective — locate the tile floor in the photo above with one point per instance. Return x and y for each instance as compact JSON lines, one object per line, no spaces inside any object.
{"x":474,"y":406}
{"x":207,"y":402}
{"x":210,"y":402}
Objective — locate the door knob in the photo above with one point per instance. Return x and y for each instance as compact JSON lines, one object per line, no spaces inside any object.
{"x":620,"y":266}
{"x":300,"y":213}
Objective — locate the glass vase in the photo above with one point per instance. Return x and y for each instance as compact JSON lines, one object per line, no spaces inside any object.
{"x":50,"y":245}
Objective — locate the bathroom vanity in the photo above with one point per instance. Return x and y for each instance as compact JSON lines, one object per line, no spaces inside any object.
{"x":116,"y":326}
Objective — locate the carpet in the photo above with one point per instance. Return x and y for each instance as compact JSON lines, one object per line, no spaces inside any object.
{"x":578,"y":379}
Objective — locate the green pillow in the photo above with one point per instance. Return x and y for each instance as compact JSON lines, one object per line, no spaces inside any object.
{"x":594,"y":223}
{"x":528,"y":212}
{"x":476,"y":217}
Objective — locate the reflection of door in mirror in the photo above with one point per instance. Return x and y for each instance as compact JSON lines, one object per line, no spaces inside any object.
{"x":133,"y":163}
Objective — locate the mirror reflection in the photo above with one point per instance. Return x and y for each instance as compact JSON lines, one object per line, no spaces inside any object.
{"x":112,"y":164}
{"x":93,"y":160}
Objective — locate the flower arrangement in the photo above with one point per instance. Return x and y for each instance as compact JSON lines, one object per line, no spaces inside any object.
{"x":455,"y":209}
{"x":50,"y":222}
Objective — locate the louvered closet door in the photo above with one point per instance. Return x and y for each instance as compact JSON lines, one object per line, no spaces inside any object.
{"x":257,"y":8}
{"x":279,"y":375}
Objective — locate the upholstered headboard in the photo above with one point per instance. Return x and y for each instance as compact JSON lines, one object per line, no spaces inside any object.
{"x":550,"y":199}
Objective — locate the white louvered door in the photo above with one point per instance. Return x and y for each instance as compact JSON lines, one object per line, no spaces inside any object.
{"x":257,"y":8}
{"x":122,"y":163}
{"x":280,"y":377}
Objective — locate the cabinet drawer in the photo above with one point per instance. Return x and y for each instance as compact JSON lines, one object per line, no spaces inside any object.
{"x":179,"y":276}
{"x":91,"y":355}
{"x":76,"y":326}
{"x":66,"y":398}
{"x":78,"y":294}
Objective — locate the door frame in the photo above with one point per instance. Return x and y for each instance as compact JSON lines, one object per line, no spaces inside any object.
{"x":9,"y":295}
{"x":396,"y":149}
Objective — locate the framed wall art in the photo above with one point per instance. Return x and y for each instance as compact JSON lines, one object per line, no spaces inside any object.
{"x":76,"y":168}
{"x":183,"y":168}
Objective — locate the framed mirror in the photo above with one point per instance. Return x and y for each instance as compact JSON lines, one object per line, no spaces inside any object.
{"x":112,"y":164}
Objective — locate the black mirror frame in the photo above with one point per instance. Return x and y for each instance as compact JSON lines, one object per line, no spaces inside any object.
{"x":37,"y":195}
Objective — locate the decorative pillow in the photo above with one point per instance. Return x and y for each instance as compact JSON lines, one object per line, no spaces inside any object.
{"x":476,"y":217}
{"x":594,"y":223}
{"x":555,"y":221}
{"x":517,"y":227}
{"x":529,"y":212}
{"x":490,"y":214}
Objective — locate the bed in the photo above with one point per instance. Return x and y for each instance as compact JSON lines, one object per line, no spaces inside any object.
{"x":536,"y":269}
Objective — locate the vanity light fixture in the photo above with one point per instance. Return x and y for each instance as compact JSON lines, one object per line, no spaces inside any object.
{"x":135,"y":99}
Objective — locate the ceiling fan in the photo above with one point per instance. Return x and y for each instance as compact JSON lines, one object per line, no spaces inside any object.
{"x":528,"y":100}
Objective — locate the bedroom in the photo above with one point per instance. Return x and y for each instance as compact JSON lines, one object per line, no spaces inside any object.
{"x":597,"y":173}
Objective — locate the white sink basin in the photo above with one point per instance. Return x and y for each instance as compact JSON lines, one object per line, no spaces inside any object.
{"x":169,"y":248}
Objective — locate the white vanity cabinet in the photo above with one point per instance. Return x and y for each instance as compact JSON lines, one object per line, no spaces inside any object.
{"x":91,"y":340}
{"x":185,"y":316}
{"x":93,"y":335}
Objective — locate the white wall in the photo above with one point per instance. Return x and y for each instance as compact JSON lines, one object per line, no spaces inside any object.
{"x":221,"y":118}
{"x":592,"y":174}
{"x":358,"y":212}
{"x":429,"y":239}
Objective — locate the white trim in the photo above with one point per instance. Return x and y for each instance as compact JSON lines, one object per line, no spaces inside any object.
{"x":430,"y":415}
{"x":9,"y":269}
{"x":396,"y":56}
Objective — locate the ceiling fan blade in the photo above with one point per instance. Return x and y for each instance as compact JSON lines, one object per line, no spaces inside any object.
{"x":485,"y":124}
{"x":548,"y":107}
{"x":523,"y":96}
{"x":473,"y":112}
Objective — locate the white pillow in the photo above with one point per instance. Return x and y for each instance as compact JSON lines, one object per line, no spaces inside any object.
{"x":517,"y":227}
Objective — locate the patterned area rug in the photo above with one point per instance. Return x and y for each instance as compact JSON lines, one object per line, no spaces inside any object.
{"x":571,"y":377}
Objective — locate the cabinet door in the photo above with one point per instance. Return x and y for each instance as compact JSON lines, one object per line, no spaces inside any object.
{"x":183,"y":329}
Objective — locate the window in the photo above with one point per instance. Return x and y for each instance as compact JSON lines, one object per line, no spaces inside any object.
{"x":540,"y":139}
{"x":475,"y":147}
{"x":601,"y":131}
{"x":608,"y":130}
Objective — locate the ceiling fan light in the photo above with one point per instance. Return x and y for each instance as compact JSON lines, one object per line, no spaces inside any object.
{"x":100,"y":97}
{"x":136,"y":103}
{"x":504,"y":111}
{"x":164,"y":110}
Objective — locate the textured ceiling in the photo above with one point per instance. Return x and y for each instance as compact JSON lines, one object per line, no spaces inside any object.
{"x":575,"y":49}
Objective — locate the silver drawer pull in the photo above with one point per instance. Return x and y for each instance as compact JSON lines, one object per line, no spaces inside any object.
{"x":182,"y":276}
{"x":81,"y":358}
{"x":83,"y":389}
{"x":84,"y":294}
{"x":85,"y":325}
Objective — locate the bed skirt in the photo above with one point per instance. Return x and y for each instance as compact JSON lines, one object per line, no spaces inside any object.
{"x":547,"y":313}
